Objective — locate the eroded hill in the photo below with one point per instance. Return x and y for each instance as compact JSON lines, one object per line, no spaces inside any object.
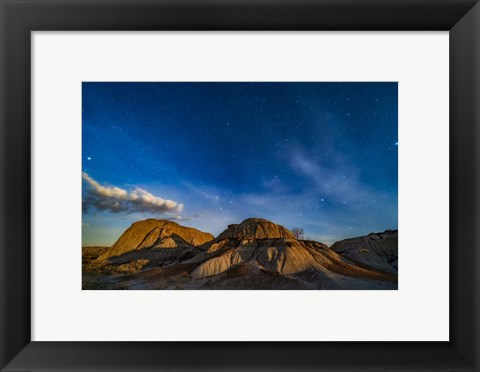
{"x":255,"y":254}
{"x":149,"y":238}
{"x":376,"y":250}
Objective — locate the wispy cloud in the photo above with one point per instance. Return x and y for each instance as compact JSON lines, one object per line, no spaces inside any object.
{"x":340,"y":184}
{"x":116,"y":199}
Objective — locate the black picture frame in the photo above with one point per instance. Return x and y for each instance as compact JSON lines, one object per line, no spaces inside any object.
{"x":18,"y":18}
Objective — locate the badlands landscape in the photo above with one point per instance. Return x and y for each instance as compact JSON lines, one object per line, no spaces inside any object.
{"x":256,"y":254}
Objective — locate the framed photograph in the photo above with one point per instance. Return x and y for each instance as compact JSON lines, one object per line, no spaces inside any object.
{"x":300,"y":153}
{"x":239,"y":185}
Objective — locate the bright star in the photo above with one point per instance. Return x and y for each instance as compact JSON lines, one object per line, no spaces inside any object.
{"x":89,"y":158}
{"x":396,"y":143}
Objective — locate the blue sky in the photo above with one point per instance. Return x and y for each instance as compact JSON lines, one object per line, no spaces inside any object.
{"x":322,"y":156}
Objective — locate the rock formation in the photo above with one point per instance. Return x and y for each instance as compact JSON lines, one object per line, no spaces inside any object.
{"x":152,"y":237}
{"x":270,"y":247}
{"x":255,"y":254}
{"x":256,"y":228}
{"x":376,"y":250}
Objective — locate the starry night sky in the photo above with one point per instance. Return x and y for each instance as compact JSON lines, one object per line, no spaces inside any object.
{"x":322,"y":156}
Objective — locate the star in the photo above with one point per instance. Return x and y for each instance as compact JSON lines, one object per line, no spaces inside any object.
{"x":240,"y":150}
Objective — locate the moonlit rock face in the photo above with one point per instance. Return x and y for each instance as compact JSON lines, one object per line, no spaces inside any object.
{"x":255,"y":254}
{"x":274,"y":258}
{"x":153,"y":233}
{"x":256,"y":228}
{"x":271,"y":248}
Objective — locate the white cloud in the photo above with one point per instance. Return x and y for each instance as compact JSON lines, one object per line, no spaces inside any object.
{"x":115,"y":199}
